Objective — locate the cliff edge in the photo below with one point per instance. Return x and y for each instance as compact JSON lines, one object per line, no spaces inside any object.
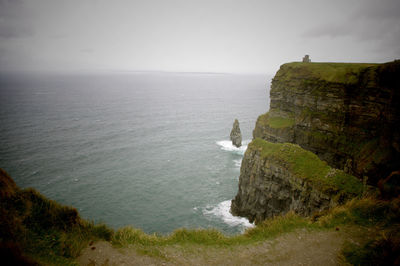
{"x":277,"y":178}
{"x":331,"y":128}
{"x":347,"y":114}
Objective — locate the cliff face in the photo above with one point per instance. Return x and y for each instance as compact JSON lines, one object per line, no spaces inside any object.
{"x":278,"y":178}
{"x":329,"y":126}
{"x":347,"y":114}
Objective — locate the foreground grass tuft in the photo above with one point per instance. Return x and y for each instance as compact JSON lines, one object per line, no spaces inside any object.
{"x":44,"y":231}
{"x":278,"y":225}
{"x":367,"y":211}
{"x":129,"y":236}
{"x":384,"y":249}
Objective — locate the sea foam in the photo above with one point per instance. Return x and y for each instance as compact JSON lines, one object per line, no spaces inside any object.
{"x":227,"y":145}
{"x":222,"y":211}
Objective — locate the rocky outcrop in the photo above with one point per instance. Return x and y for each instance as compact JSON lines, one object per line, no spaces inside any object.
{"x":278,"y":178}
{"x":236,"y":135}
{"x":329,"y":126}
{"x":347,"y":114}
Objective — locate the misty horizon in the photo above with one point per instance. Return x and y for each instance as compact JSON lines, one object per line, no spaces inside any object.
{"x":193,"y":36}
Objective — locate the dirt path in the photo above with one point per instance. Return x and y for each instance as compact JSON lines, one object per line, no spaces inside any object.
{"x":297,"y":248}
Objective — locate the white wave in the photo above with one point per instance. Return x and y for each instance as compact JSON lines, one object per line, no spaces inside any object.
{"x":238,"y":163}
{"x":222,"y":211}
{"x":226,"y":145}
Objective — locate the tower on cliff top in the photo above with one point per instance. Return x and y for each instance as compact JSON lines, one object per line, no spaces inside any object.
{"x":306,"y":59}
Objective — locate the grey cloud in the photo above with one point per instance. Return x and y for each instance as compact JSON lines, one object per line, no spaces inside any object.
{"x":14,"y":31}
{"x":371,"y":21}
{"x":329,"y":30}
{"x":87,"y":50}
{"x":358,"y":30}
{"x":13,"y":19}
{"x":10,"y":8}
{"x":379,"y":10}
{"x":181,"y":35}
{"x":57,"y":36}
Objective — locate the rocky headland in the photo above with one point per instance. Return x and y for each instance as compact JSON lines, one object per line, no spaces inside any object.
{"x":330,"y":127}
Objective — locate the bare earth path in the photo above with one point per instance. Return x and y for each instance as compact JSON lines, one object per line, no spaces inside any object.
{"x":296,"y":248}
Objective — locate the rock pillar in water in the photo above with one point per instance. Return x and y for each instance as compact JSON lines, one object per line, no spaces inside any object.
{"x":236,"y":136}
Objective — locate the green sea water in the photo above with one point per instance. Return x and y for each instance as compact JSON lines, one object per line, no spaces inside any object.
{"x":145,"y":149}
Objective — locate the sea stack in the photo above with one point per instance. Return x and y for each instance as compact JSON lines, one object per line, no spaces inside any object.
{"x":236,"y":136}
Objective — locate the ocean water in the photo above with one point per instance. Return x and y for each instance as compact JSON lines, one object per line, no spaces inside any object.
{"x":145,"y":149}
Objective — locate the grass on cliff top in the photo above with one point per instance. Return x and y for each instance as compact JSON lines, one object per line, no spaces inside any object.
{"x":275,"y":122}
{"x":347,"y":73}
{"x":34,"y":229}
{"x":210,"y":237}
{"x":306,"y":165}
{"x":368,"y":214}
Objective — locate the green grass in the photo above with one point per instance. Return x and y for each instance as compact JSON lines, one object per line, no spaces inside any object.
{"x":279,"y":225}
{"x":45,"y":230}
{"x":383,"y":249}
{"x":366,"y":211}
{"x":347,"y":73}
{"x":306,"y":165}
{"x":376,"y":221}
{"x":129,"y":236}
{"x":275,"y":121}
{"x":280,"y":122}
{"x":379,"y":222}
{"x":52,"y":234}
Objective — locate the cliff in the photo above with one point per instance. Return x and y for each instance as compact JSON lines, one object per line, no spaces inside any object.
{"x":330,"y":125}
{"x":347,"y":114}
{"x":278,"y":178}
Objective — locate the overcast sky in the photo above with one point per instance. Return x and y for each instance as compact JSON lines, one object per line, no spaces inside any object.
{"x":252,"y":36}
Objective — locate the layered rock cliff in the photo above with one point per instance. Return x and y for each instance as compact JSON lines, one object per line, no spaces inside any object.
{"x":278,"y":178}
{"x":347,"y":114}
{"x":330,"y":125}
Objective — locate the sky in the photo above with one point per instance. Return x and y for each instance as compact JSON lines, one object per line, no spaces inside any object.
{"x":234,"y":36}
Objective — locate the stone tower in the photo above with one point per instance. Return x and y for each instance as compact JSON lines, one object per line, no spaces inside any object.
{"x":306,"y":59}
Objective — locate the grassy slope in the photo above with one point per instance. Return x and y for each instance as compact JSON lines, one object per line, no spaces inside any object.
{"x":49,"y":233}
{"x":46,"y":232}
{"x":275,"y":121}
{"x":371,"y":218}
{"x":346,"y":73}
{"x":306,"y":165}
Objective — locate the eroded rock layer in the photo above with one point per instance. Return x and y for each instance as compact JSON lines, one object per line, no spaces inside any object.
{"x":278,"y":178}
{"x":347,"y":114}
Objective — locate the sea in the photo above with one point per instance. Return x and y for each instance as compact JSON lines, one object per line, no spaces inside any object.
{"x":146,"y":149}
